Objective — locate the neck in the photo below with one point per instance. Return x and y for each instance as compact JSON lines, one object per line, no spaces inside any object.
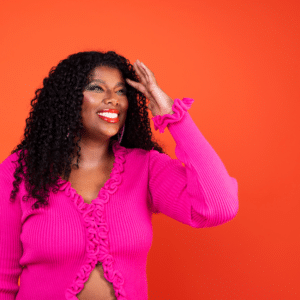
{"x":93,"y":152}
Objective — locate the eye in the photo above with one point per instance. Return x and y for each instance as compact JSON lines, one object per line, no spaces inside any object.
{"x":123,"y":91}
{"x":96,"y":88}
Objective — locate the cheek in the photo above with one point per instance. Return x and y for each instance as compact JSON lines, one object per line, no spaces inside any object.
{"x":126,"y":104}
{"x":88,"y":103}
{"x":86,"y":99}
{"x":87,"y":109}
{"x":89,"y":97}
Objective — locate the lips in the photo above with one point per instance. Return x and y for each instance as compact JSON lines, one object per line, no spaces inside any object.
{"x":109,"y":115}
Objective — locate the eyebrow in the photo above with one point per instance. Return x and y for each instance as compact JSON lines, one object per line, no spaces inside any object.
{"x":102,"y":81}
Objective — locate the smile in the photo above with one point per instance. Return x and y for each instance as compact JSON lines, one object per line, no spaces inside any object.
{"x":111,"y":117}
{"x":108,"y":115}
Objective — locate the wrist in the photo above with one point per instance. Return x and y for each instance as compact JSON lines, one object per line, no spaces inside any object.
{"x":166,"y":109}
{"x":163,"y":112}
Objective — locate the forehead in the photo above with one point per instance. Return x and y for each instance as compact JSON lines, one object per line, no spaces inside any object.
{"x":107,"y":73}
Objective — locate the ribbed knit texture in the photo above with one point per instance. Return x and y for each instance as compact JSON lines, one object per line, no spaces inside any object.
{"x":54,"y":249}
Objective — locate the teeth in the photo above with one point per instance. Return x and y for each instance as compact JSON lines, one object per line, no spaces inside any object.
{"x":108,"y":115}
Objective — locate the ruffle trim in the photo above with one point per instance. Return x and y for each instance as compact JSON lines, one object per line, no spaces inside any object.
{"x":97,"y":229}
{"x":179,"y":108}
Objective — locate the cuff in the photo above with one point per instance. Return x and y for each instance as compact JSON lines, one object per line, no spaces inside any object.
{"x":179,"y":108}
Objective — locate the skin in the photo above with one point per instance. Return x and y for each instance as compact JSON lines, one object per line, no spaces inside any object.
{"x":106,"y":90}
{"x":160,"y":103}
{"x":97,"y":96}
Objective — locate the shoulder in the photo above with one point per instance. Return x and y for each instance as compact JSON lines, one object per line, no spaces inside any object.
{"x":127,"y":153}
{"x":146,"y":156}
{"x":135,"y":156}
{"x":8,"y":166}
{"x":138,"y":156}
{"x":138,"y":152}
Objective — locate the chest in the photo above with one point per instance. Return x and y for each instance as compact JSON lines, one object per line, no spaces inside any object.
{"x":88,"y":182}
{"x":124,"y":210}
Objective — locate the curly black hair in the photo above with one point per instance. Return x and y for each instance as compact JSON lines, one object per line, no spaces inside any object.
{"x":54,"y":123}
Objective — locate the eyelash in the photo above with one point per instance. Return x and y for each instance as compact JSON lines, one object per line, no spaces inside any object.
{"x":96,"y":87}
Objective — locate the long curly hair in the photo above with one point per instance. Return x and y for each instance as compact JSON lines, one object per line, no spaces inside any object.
{"x":54,"y":123}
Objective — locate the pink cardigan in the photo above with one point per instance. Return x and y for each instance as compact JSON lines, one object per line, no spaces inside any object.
{"x":54,"y":249}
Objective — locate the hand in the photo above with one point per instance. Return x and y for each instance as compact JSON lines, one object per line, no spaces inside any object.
{"x":160,"y":103}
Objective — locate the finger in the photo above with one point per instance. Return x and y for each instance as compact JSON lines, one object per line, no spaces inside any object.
{"x":148,"y":73}
{"x":144,"y":67}
{"x":140,"y":73}
{"x":139,"y":86}
{"x":141,"y":67}
{"x":132,"y":83}
{"x":144,"y":70}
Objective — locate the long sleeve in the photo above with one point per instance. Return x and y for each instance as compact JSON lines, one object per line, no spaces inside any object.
{"x":10,"y":229}
{"x":199,"y":193}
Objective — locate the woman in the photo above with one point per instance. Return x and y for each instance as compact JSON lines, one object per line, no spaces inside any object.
{"x":78,"y":193}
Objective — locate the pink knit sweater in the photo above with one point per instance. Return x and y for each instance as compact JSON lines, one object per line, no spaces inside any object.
{"x":54,"y":249}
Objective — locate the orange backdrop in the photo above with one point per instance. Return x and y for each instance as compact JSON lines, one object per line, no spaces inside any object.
{"x":239,"y":60}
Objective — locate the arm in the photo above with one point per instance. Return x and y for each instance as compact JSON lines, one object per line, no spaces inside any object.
{"x":10,"y":229}
{"x":201,"y":193}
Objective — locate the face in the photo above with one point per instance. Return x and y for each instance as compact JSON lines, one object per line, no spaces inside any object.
{"x":105,"y":103}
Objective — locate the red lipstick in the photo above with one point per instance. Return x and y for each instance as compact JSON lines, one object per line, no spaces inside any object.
{"x":109,"y":115}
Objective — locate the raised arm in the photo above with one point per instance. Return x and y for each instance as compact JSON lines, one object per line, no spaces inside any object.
{"x":201,"y":193}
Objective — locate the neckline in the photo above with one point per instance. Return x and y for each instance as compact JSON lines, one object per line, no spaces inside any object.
{"x":97,"y":229}
{"x":114,"y":176}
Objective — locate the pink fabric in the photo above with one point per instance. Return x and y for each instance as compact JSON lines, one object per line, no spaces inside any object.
{"x":54,"y":249}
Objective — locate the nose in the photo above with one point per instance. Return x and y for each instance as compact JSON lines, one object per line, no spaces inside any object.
{"x":111,"y":98}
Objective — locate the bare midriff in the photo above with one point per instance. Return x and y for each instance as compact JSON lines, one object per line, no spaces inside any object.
{"x":97,"y":287}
